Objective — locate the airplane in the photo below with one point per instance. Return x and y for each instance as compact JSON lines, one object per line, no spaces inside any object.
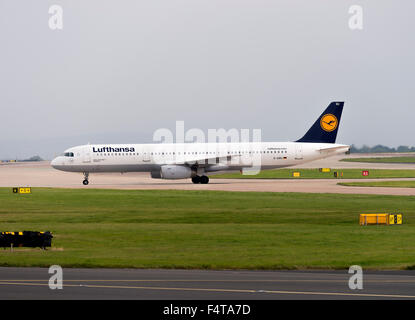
{"x":196,"y":161}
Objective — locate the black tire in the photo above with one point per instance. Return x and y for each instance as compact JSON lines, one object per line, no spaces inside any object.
{"x":85,"y":182}
{"x":204,"y":179}
{"x":196,"y":179}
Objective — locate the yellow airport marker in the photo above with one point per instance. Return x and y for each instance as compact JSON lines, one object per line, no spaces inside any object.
{"x":22,"y":190}
{"x":395,"y":219}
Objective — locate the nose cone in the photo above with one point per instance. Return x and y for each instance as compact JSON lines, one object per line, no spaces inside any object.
{"x":56,"y":163}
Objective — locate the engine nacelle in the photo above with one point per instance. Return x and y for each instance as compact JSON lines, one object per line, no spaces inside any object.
{"x":175,"y":172}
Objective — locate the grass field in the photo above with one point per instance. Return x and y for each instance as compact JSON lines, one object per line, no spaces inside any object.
{"x":207,"y":229}
{"x":382,"y":160}
{"x":316,"y":174}
{"x":396,"y":184}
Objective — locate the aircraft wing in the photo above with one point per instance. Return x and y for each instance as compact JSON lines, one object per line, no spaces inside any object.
{"x":201,"y":161}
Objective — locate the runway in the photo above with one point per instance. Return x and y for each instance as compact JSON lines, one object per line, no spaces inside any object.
{"x":40,"y":174}
{"x":154,"y":284}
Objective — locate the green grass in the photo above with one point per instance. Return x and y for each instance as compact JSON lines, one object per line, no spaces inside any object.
{"x":315,"y":174}
{"x":396,"y":184}
{"x":382,"y":160}
{"x":207,"y":229}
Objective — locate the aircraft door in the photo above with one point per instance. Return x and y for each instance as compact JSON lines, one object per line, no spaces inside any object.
{"x":87,"y":155}
{"x":146,"y":155}
{"x":298,"y":152}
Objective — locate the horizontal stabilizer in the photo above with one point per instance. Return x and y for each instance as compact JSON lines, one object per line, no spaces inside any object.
{"x":334,"y":148}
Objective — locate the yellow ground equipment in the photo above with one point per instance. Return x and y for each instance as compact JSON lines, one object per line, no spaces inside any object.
{"x":366,"y":219}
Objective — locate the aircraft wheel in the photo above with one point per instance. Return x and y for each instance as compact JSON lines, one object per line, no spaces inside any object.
{"x":85,"y":182}
{"x":196,"y":179}
{"x":204,"y":179}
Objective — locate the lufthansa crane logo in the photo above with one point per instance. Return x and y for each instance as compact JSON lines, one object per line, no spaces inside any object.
{"x":328,"y":122}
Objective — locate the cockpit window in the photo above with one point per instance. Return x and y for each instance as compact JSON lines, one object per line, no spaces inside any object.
{"x":68,"y":154}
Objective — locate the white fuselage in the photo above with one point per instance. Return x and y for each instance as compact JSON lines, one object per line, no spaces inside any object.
{"x":201,"y":157}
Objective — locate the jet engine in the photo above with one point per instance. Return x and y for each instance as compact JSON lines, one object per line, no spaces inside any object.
{"x":175,"y":172}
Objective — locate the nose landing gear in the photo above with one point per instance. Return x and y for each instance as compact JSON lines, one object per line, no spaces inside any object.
{"x":86,"y":175}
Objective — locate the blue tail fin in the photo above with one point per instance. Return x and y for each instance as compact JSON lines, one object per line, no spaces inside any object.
{"x":324,"y":130}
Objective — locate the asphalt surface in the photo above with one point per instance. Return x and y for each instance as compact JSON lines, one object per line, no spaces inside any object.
{"x":154,"y":284}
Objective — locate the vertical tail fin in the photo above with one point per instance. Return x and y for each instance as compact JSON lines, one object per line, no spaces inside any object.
{"x":324,"y":130}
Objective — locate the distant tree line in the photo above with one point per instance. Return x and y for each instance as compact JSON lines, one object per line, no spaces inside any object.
{"x":34,"y":158}
{"x":380,"y":148}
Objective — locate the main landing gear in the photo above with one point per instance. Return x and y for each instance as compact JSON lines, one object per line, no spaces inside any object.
{"x":86,"y":175}
{"x":200,"y":179}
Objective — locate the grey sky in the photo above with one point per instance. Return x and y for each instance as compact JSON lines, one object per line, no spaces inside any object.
{"x":119,"y":70}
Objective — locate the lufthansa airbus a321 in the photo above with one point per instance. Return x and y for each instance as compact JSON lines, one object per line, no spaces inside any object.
{"x":196,"y":161}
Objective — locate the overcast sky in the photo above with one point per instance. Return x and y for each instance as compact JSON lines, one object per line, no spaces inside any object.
{"x":119,"y":70}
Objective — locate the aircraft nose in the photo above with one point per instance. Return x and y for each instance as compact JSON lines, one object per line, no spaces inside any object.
{"x":55,"y":163}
